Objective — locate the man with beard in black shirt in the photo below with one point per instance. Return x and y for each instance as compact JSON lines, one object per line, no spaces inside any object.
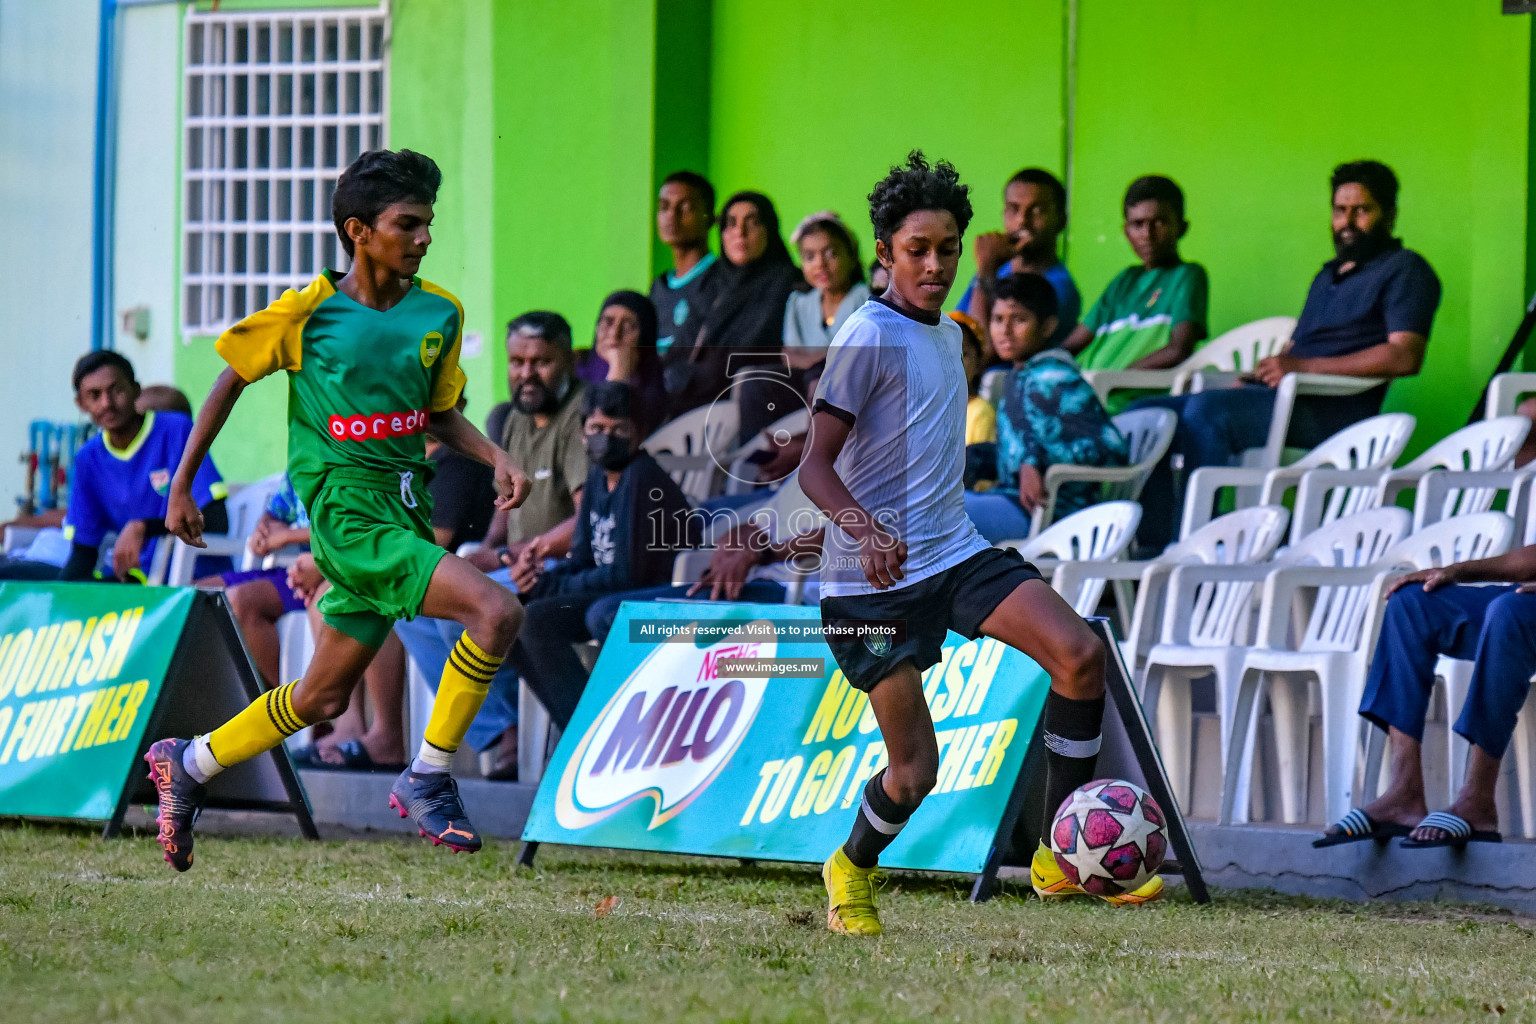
{"x":1367,"y":314}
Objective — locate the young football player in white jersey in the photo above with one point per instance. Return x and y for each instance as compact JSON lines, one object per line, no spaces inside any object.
{"x":885,"y":463}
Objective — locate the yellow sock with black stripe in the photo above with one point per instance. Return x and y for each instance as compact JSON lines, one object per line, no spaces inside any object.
{"x":265,"y":723}
{"x":466,"y":680}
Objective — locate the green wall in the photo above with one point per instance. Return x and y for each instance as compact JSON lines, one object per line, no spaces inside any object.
{"x":1262,"y":101}
{"x":812,"y":102}
{"x":554,"y":123}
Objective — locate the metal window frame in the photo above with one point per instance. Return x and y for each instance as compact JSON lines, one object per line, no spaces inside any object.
{"x":238,"y":253}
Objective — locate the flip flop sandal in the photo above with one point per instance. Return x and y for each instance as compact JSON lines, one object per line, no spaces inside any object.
{"x":1458,"y":833}
{"x":354,"y":758}
{"x":1357,"y":826}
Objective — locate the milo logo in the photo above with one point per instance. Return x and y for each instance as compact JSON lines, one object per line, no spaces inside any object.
{"x":665,"y":735}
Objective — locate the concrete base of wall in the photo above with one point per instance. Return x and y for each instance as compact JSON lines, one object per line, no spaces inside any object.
{"x":356,"y":805}
{"x":1247,"y":857}
{"x":351,"y":805}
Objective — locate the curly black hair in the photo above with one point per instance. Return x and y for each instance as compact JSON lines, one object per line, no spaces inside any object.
{"x":918,"y":186}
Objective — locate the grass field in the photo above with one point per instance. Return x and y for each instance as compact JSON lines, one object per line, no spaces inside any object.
{"x":275,"y":929}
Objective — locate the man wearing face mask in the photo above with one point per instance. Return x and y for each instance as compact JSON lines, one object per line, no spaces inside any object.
{"x":632,"y":522}
{"x":1367,"y":314}
{"x":541,"y":428}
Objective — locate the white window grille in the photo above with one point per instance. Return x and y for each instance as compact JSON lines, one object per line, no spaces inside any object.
{"x":277,"y":104}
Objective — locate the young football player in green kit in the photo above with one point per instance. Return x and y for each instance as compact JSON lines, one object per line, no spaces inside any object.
{"x":373,"y":363}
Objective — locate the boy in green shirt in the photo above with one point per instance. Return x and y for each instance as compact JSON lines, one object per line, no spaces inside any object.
{"x":373,"y":363}
{"x":1151,"y":316}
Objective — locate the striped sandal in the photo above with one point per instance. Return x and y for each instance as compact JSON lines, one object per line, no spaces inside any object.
{"x":1458,"y":833}
{"x":1357,"y":826}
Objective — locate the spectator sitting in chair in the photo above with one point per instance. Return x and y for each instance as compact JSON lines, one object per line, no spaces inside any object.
{"x":624,"y":349}
{"x":260,"y":597}
{"x":1034,"y":216}
{"x":1048,"y":414}
{"x":829,"y":260}
{"x":685,"y":213}
{"x":633,"y":520}
{"x":122,"y":477}
{"x":1153,"y":314}
{"x":541,"y":428}
{"x":1368,"y":314}
{"x":751,"y":560}
{"x":1429,"y":613}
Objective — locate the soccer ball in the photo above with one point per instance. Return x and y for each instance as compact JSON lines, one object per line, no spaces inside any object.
{"x":1109,"y":837}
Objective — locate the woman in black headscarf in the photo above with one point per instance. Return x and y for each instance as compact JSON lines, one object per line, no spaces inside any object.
{"x":746,"y":319}
{"x":624,"y":349}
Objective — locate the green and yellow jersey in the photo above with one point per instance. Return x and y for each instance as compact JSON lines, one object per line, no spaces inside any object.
{"x":362,"y":382}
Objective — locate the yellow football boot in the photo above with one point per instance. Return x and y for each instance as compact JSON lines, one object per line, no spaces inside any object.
{"x":1051,"y":883}
{"x":1150,"y":890}
{"x":850,"y":896}
{"x":1046,"y":876}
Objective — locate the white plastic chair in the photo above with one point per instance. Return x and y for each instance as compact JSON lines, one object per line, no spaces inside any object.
{"x":244,"y":505}
{"x":739,"y":478}
{"x":1523,"y":749}
{"x":1148,"y":433}
{"x":1505,"y":392}
{"x":1098,"y":533}
{"x":17,"y":538}
{"x":1245,"y":537}
{"x":1444,"y":494}
{"x":1354,"y":458}
{"x":1331,"y":643}
{"x":1465,"y":541}
{"x":1484,"y":447}
{"x":1274,"y":452}
{"x":1237,"y":351}
{"x":696,"y":447}
{"x":1206,"y":627}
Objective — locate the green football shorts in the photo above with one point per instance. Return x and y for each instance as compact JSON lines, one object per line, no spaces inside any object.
{"x":371,"y":535}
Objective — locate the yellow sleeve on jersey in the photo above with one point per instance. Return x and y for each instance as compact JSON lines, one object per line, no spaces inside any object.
{"x":271,"y":339}
{"x":450,"y":381}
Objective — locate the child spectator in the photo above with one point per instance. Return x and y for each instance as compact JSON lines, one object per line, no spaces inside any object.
{"x":624,"y":349}
{"x":633,"y":520}
{"x":1152,"y":315}
{"x":1034,"y":216}
{"x":122,"y":476}
{"x":829,"y":259}
{"x":980,"y":417}
{"x":1048,"y":414}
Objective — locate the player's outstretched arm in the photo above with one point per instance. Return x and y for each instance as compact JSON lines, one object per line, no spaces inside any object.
{"x":457,"y":432}
{"x":880,"y":553}
{"x":182,"y":516}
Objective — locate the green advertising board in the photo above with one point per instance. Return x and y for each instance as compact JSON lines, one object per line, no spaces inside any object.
{"x":81,"y":665}
{"x":668,"y":752}
{"x":91,"y":673}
